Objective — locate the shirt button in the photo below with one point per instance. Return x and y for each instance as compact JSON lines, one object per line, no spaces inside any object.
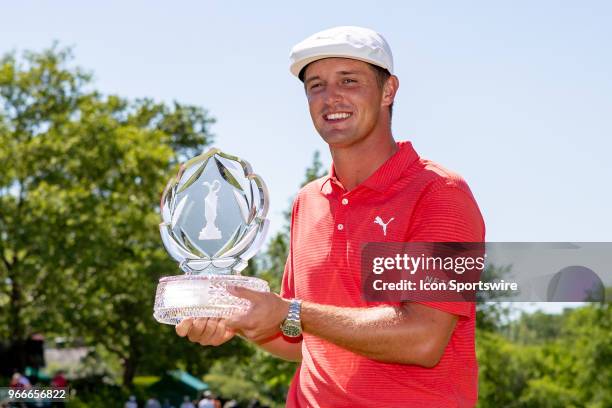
{"x":340,"y":227}
{"x":344,"y":201}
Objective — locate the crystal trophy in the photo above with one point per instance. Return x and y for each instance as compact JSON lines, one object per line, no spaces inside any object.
{"x":213,"y":221}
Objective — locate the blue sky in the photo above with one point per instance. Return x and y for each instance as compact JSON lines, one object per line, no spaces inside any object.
{"x":515,"y":96}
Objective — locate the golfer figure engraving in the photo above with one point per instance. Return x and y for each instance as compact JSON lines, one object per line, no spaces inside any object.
{"x":210,"y":230}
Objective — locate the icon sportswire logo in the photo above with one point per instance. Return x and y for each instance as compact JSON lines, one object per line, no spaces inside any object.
{"x":383,"y":224}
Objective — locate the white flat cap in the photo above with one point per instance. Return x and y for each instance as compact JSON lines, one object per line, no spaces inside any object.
{"x":346,"y":42}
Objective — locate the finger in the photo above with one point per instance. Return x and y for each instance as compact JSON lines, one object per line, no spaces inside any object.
{"x":198,"y":327}
{"x":245,"y":293}
{"x":222,"y":334}
{"x":183,"y":327}
{"x":229,"y":333}
{"x":209,"y":331}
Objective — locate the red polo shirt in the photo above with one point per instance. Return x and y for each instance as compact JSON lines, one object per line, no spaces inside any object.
{"x":428,"y":204}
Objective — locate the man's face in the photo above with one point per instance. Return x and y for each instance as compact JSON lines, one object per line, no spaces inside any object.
{"x":344,"y":99}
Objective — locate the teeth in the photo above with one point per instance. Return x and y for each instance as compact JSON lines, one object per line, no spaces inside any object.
{"x":336,"y":116}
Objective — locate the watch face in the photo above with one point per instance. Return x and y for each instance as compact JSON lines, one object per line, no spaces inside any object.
{"x":291,"y":329}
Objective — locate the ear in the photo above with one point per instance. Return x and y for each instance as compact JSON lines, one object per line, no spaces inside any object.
{"x":389,"y":90}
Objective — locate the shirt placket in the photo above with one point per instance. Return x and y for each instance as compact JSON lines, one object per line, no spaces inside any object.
{"x":341,"y":230}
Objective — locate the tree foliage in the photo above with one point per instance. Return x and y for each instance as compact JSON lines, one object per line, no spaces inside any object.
{"x":80,"y":178}
{"x":549,"y":360}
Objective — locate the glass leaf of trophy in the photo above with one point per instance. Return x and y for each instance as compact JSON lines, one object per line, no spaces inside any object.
{"x":213,"y":221}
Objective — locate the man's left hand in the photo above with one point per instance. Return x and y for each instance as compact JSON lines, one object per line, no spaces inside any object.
{"x":264,"y":316}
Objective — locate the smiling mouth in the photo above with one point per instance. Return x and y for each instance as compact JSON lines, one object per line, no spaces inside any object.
{"x":337,"y":116}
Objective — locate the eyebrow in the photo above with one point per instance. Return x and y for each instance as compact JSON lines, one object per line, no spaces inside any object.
{"x":338,"y":72}
{"x":311,"y":79}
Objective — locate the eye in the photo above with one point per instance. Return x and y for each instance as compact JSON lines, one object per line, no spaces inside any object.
{"x":348,"y":80}
{"x":314,"y":86}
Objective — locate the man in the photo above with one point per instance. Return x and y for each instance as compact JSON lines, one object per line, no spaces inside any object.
{"x":131,"y":402}
{"x":187,"y":402}
{"x":153,"y":403}
{"x":354,"y":353}
{"x":208,"y":400}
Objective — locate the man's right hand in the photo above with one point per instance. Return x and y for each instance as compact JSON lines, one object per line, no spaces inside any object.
{"x":206,"y":331}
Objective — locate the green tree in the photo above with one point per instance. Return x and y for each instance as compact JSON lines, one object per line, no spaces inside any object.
{"x":491,"y":315}
{"x":504,"y":369}
{"x":577,"y":363}
{"x":549,"y":360}
{"x":80,"y":178}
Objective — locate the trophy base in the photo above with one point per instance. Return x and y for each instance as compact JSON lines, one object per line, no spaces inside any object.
{"x":183,"y":296}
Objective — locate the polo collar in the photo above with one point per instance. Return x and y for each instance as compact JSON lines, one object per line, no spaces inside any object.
{"x":388,"y":173}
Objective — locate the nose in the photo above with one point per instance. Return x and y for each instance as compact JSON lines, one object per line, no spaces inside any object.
{"x":332,"y":94}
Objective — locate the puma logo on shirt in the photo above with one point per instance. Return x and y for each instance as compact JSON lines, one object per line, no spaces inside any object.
{"x":383,"y":224}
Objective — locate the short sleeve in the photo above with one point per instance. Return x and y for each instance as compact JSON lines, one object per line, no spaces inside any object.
{"x":287,"y":286}
{"x":448,"y":214}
